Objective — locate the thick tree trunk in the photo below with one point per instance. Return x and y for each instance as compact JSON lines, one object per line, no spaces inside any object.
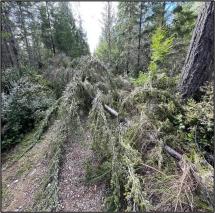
{"x":199,"y":62}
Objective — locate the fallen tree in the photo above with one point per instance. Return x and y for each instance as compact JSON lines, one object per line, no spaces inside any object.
{"x":191,"y":172}
{"x":132,"y":144}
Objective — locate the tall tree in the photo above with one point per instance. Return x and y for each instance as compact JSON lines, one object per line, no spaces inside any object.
{"x":50,"y":28}
{"x":139,"y":36}
{"x":127,"y":22}
{"x":199,"y":62}
{"x":106,"y":44}
{"x":46,"y":28}
{"x":35,"y":33}
{"x":156,"y":15}
{"x":22,"y":17}
{"x":67,"y":36}
{"x":9,"y":46}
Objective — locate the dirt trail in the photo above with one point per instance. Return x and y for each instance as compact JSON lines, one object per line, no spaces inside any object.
{"x":22,"y":180}
{"x":74,"y":194}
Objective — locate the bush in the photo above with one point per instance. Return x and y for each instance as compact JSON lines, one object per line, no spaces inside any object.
{"x":23,"y":107}
{"x":200,"y":120}
{"x":158,"y":75}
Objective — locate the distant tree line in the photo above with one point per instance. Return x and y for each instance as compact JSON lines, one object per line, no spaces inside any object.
{"x":33,"y":32}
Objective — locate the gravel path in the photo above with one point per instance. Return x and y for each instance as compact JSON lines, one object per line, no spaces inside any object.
{"x":74,"y":194}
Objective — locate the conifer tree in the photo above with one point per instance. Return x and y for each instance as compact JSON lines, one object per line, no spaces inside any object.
{"x":66,"y":35}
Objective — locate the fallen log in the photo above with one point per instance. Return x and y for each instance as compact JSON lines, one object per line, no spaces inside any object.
{"x":205,"y":184}
{"x":111,"y":111}
{"x":172,"y":152}
{"x":205,"y":181}
{"x":86,"y":85}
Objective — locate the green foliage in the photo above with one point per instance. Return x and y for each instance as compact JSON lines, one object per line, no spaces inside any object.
{"x":184,"y":18}
{"x":160,"y":48}
{"x":142,"y":79}
{"x":157,"y":76}
{"x":200,"y":119}
{"x":46,"y":198}
{"x":184,"y":21}
{"x":68,"y":38}
{"x":114,"y":149}
{"x":102,"y":50}
{"x":5,"y":35}
{"x":45,"y":28}
{"x":24,"y":106}
{"x":160,"y":45}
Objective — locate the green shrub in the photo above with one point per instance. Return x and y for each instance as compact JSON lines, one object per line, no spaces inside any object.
{"x":157,"y":75}
{"x":23,"y":107}
{"x":200,"y":119}
{"x":142,"y":79}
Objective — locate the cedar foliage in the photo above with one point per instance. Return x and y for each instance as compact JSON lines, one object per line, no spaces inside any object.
{"x":71,"y":86}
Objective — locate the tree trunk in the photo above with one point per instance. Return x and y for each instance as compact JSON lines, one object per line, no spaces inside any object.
{"x":162,"y":21}
{"x":199,"y":62}
{"x":52,"y":40}
{"x":129,"y":42}
{"x":139,"y":37}
{"x":8,"y":45}
{"x":109,"y":32}
{"x":25,"y":34}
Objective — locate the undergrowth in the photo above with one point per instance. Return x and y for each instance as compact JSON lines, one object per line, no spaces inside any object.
{"x":46,"y":198}
{"x":129,"y":147}
{"x":133,"y":162}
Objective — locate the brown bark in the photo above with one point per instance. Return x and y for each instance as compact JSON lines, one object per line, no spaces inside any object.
{"x":199,"y":61}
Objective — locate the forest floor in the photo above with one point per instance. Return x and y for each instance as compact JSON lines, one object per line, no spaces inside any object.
{"x":22,"y":178}
{"x":74,"y":193}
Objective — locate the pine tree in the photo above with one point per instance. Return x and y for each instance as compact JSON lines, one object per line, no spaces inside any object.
{"x":105,"y":49}
{"x":9,"y":47}
{"x":127,"y":20}
{"x":46,"y":29}
{"x":67,"y":36}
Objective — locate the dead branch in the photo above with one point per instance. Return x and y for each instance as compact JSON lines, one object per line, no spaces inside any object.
{"x":111,"y":111}
{"x":172,"y":152}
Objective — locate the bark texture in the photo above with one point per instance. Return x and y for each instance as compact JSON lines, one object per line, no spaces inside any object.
{"x":199,"y":62}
